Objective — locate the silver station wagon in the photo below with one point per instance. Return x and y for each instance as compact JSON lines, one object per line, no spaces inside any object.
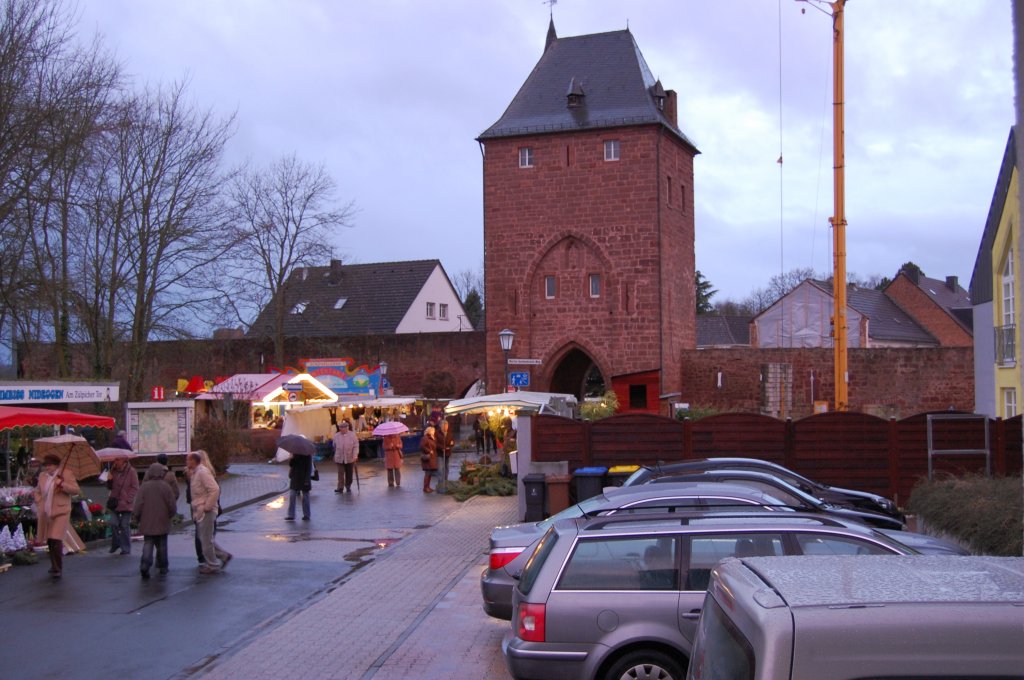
{"x":618,"y":597}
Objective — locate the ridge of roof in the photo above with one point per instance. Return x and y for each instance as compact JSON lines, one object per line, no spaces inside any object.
{"x":612,"y":70}
{"x":887,"y":320}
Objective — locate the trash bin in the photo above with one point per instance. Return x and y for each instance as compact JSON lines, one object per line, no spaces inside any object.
{"x":534,"y":485}
{"x":589,"y":482}
{"x":618,"y":474}
{"x":558,"y":493}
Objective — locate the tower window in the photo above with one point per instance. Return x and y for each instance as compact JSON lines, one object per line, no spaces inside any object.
{"x":549,"y":287}
{"x":611,"y":150}
{"x":668,"y":190}
{"x":682,"y":197}
{"x":595,"y":285}
{"x":526,"y":157}
{"x":430,"y":310}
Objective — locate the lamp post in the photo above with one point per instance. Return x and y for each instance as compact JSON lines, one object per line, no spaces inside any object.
{"x":506,"y":337}
{"x":383,"y":377}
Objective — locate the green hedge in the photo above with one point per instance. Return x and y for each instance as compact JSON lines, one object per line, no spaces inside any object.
{"x":985,"y":513}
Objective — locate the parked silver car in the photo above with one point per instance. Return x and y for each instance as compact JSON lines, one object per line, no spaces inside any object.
{"x":805,"y":618}
{"x":507,"y":543}
{"x":618,"y":597}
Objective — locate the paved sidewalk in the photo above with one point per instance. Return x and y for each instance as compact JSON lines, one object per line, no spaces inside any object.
{"x":381,"y":621}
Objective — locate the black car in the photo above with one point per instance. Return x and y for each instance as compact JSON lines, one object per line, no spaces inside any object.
{"x":786,"y":492}
{"x":833,"y":495}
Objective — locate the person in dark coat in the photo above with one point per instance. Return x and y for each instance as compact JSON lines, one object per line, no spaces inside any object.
{"x":299,"y":470}
{"x":123,"y":485}
{"x":445,"y":442}
{"x":153,"y":508}
{"x":121,"y":441}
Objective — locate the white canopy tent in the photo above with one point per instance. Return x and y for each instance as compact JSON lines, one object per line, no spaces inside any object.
{"x":542,"y":402}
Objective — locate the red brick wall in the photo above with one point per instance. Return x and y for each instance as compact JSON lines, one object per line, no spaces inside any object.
{"x":887,"y":382}
{"x":574,"y":214}
{"x":934,"y":318}
{"x":410,"y":357}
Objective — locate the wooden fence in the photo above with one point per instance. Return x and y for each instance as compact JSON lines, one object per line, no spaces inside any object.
{"x":853,"y":450}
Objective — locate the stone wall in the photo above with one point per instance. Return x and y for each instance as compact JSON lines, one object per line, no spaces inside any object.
{"x":890,"y":382}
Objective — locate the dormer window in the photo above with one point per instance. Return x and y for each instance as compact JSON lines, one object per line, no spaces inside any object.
{"x":658,"y":92}
{"x":299,"y":307}
{"x":575,"y":94}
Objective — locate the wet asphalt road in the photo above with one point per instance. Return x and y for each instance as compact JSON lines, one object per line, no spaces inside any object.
{"x":103,"y":620}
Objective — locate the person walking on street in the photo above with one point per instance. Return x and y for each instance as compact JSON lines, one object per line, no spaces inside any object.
{"x":53,"y":509}
{"x":428,"y":457}
{"x":346,"y":453}
{"x":205,"y":495}
{"x":123,"y":485}
{"x":300,"y":482}
{"x":168,"y":477}
{"x":445,"y":444}
{"x":204,"y":459}
{"x":393,"y":459}
{"x":153,"y":508}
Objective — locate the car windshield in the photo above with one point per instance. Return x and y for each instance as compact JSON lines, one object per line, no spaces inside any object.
{"x":573,"y":511}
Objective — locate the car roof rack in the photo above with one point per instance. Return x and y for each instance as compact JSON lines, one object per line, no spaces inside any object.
{"x":683,"y":518}
{"x":677,"y":506}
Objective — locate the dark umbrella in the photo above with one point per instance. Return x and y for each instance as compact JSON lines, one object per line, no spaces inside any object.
{"x":296,"y":444}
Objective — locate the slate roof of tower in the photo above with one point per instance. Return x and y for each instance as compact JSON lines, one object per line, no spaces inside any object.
{"x":378,"y":295}
{"x":612,"y":73}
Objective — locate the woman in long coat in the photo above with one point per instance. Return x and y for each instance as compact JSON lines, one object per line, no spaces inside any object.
{"x":393,"y":459}
{"x":428,"y":458}
{"x":53,"y":509}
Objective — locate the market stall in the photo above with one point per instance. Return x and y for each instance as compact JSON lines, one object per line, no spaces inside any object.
{"x":317,"y":421}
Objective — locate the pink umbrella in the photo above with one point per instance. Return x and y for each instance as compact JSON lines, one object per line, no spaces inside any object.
{"x":393,"y":427}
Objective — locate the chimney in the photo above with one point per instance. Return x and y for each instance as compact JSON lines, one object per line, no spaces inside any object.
{"x":670,"y":107}
{"x":334,"y":273}
{"x":953,"y":283}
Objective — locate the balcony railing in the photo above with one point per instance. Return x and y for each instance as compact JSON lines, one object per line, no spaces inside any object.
{"x":1006,"y":344}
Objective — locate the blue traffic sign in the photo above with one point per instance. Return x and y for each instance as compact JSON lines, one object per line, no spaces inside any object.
{"x":519,"y":379}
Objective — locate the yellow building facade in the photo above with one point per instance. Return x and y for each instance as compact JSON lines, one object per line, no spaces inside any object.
{"x":1006,"y":304}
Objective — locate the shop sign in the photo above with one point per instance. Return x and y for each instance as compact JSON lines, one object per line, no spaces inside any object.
{"x":66,"y":393}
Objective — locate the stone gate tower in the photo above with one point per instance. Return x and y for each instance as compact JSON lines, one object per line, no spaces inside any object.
{"x":588,"y":225}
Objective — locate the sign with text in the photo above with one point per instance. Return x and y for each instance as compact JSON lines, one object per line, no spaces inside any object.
{"x":58,"y":393}
{"x":524,"y":362}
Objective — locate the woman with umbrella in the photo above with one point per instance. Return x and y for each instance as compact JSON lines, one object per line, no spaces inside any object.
{"x":53,"y":508}
{"x":428,"y":457}
{"x":392,"y":449}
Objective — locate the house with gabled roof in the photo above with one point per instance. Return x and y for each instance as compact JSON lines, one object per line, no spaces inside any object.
{"x":802,"y":318}
{"x":380,"y":298}
{"x":942,"y":307}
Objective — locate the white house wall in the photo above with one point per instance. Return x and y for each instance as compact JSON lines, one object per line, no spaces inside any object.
{"x":439,"y":291}
{"x":801,"y":319}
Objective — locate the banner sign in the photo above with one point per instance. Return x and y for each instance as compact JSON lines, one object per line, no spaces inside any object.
{"x":58,"y":393}
{"x":343,"y":377}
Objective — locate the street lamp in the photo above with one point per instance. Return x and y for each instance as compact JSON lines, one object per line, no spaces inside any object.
{"x":506,"y":337}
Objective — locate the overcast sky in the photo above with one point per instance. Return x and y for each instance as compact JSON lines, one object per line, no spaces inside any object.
{"x":391,"y":94}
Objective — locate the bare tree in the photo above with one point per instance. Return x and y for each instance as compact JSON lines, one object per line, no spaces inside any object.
{"x":284,"y":217}
{"x":165,"y":211}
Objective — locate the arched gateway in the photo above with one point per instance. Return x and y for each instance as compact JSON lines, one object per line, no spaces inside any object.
{"x":578,"y":374}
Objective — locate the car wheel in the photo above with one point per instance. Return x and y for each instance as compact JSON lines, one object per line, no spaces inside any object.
{"x":646,"y":664}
